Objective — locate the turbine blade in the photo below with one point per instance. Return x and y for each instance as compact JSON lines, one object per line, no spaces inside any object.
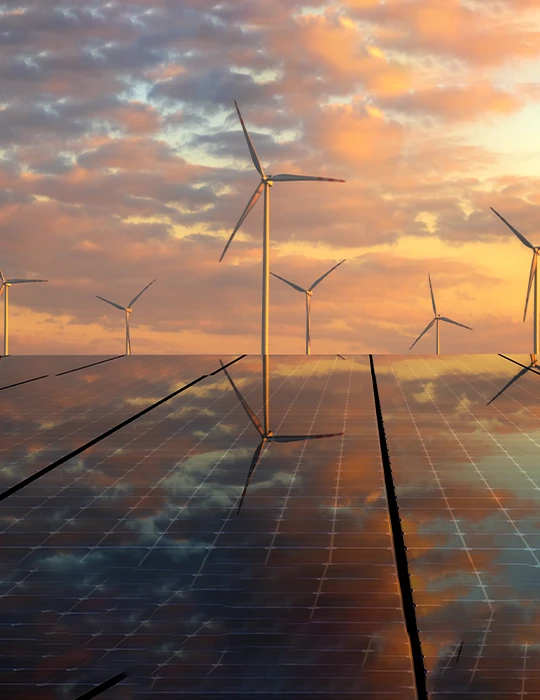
{"x":293,"y":178}
{"x":2,"y":278}
{"x":139,"y":294}
{"x":254,"y":462}
{"x":122,"y":308}
{"x":18,"y":281}
{"x":253,"y":200}
{"x":518,"y":234}
{"x":253,"y":418}
{"x":432,"y":297}
{"x":505,"y":387}
{"x":253,"y":152}
{"x":534,"y":263}
{"x":426,"y":329}
{"x":299,"y":438}
{"x":291,"y":284}
{"x":325,"y":275}
{"x":449,"y":320}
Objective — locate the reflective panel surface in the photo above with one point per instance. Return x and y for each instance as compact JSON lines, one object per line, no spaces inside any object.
{"x":467,"y":475}
{"x":132,"y":557}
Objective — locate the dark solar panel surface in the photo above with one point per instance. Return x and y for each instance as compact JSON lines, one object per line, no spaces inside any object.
{"x":43,"y":421}
{"x":131,"y":558}
{"x":467,"y":478}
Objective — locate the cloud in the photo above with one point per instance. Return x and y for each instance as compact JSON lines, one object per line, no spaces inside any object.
{"x":121,"y":149}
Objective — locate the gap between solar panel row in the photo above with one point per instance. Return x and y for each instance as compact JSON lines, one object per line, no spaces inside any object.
{"x":92,"y":364}
{"x":26,"y":381}
{"x":399,"y":550}
{"x":102,"y":687}
{"x":114,"y":429}
{"x":76,"y":369}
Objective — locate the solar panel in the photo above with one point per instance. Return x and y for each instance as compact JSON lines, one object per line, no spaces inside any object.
{"x":47,"y":420}
{"x":133,"y":559}
{"x":467,"y":481}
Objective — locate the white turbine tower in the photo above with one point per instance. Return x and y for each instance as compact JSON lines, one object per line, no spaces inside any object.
{"x":127,"y":309}
{"x":436,"y":320}
{"x":308,"y":293}
{"x":4,"y":286}
{"x":532,"y":275}
{"x":266,"y":182}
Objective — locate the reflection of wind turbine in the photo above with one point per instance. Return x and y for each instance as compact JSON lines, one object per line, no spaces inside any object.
{"x":266,"y":182}
{"x":532,"y":275}
{"x":127,"y":309}
{"x":5,"y":285}
{"x":265,"y":433}
{"x":520,"y":374}
{"x":436,"y":320}
{"x":308,"y":293}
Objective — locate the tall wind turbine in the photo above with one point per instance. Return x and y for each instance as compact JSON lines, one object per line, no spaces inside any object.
{"x":266,"y":182}
{"x":308,"y":293}
{"x":5,"y":285}
{"x":127,"y":310}
{"x":532,"y":275}
{"x":265,"y":433}
{"x":436,"y":320}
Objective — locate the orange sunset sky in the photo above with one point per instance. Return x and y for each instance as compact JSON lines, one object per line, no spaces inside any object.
{"x":122,"y":160}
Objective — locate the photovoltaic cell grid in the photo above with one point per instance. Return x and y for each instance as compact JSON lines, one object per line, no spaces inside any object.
{"x":467,"y":478}
{"x":41,"y":422}
{"x":133,"y":558}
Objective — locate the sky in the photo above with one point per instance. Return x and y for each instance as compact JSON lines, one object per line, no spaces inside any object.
{"x":122,"y":160}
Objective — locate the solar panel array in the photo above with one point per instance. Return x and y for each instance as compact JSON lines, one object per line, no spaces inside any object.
{"x":467,"y":478}
{"x":131,"y":557}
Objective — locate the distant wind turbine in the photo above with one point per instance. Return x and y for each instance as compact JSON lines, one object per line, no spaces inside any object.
{"x":436,"y":320}
{"x":5,"y":285}
{"x":308,"y":292}
{"x":265,"y":433}
{"x":127,"y":309}
{"x":532,"y":275}
{"x":266,"y":182}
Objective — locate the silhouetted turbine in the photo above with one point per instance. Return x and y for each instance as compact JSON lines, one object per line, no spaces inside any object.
{"x":308,"y":293}
{"x":127,"y":310}
{"x":5,"y":284}
{"x":532,"y":275}
{"x":436,"y":320}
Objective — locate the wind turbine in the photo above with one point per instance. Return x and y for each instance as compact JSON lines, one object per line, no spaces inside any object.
{"x":436,"y":320}
{"x":532,"y":275}
{"x":265,"y":433}
{"x":5,"y":285}
{"x":266,"y":182}
{"x":127,"y":309}
{"x":308,"y":293}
